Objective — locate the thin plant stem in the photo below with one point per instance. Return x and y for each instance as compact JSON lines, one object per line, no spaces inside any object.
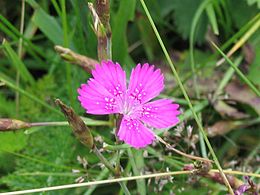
{"x":101,"y":175}
{"x":108,"y":181}
{"x":104,"y":173}
{"x":191,"y":43}
{"x":236,"y":173}
{"x":195,"y":21}
{"x":197,"y":108}
{"x":65,"y":123}
{"x":240,"y":74}
{"x":20,"y":51}
{"x":41,"y":161}
{"x":124,"y":188}
{"x":111,"y":168}
{"x":66,"y":44}
{"x":52,"y":124}
{"x":202,"y":143}
{"x":241,"y":31}
{"x":141,"y":184}
{"x":103,"y":30}
{"x":226,"y":78}
{"x":104,"y":52}
{"x":186,"y":97}
{"x":182,"y":153}
{"x":173,"y":161}
{"x":56,"y":6}
{"x":40,"y":173}
{"x":251,"y":155}
{"x":104,"y":160}
{"x":242,"y":40}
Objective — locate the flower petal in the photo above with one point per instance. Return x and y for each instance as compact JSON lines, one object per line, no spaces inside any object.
{"x":104,"y":93}
{"x":145,"y":83}
{"x":159,"y":113}
{"x":134,"y":133}
{"x":111,"y":76}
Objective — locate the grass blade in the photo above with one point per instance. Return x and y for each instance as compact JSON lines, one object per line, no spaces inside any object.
{"x":10,"y":84}
{"x":132,"y":158}
{"x":226,"y":78}
{"x":186,"y":97}
{"x":125,"y":13}
{"x":212,"y":18}
{"x":47,"y":24}
{"x":18,"y":64}
{"x":242,"y":40}
{"x":66,"y":44}
{"x":240,"y":74}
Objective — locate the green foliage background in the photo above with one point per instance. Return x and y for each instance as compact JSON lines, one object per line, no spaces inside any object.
{"x":46,"y":156}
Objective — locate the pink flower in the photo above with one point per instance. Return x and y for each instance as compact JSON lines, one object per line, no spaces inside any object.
{"x":107,"y":93}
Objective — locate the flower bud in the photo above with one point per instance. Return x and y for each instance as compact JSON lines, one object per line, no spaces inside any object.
{"x":7,"y":124}
{"x":80,"y":130}
{"x":70,"y":56}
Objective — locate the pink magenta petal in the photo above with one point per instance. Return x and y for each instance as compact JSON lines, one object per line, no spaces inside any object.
{"x":145,"y":83}
{"x":159,"y":113}
{"x":104,"y":94}
{"x":134,"y":133}
{"x":111,"y":76}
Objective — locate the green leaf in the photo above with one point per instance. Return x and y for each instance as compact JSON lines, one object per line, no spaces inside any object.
{"x":212,"y":18}
{"x":184,"y":11}
{"x":18,"y":64}
{"x":120,"y":20}
{"x":12,"y":141}
{"x":240,"y":74}
{"x":251,"y":2}
{"x":6,"y":29}
{"x":10,"y":30}
{"x":238,"y":7}
{"x":47,"y":24}
{"x":148,"y":38}
{"x":254,"y":68}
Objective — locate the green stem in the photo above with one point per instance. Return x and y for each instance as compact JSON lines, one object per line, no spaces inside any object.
{"x":104,"y":160}
{"x":40,"y":173}
{"x":111,"y":168}
{"x":186,"y":97}
{"x":66,"y":44}
{"x":40,"y":161}
{"x":87,"y":121}
{"x":228,"y":75}
{"x":56,"y":7}
{"x":104,"y":31}
{"x":109,"y":181}
{"x":101,"y":176}
{"x":116,"y":147}
{"x":195,"y":21}
{"x":242,"y":76}
{"x":223,"y":47}
{"x":132,"y":158}
{"x":104,"y":53}
{"x":242,"y":40}
{"x":125,"y":189}
{"x":182,"y":153}
{"x":20,"y":47}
